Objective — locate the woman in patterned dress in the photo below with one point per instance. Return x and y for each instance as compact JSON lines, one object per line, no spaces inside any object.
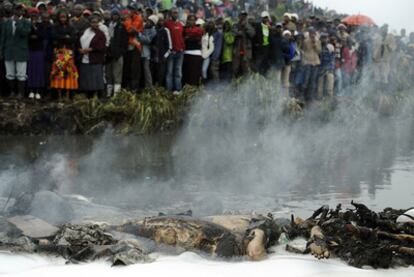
{"x":64,"y":74}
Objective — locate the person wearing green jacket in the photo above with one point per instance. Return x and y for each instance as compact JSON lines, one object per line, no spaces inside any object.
{"x":227,"y":55}
{"x":14,"y":41}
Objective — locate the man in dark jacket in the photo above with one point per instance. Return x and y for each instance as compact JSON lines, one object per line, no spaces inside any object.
{"x":116,"y":50}
{"x":261,"y":44}
{"x":161,"y":50}
{"x":279,"y":49}
{"x":218,"y":47}
{"x":14,"y":43}
{"x":78,"y":21}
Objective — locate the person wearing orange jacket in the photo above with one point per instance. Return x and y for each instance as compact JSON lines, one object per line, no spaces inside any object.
{"x":132,"y":65}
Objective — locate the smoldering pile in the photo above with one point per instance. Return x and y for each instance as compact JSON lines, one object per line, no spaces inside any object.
{"x":359,"y":236}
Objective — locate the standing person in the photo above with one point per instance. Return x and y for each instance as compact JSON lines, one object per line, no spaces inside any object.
{"x":44,"y":28}
{"x":290,"y":53}
{"x":279,"y":50}
{"x":161,"y":50}
{"x":242,"y":50}
{"x":207,"y":47}
{"x":326,"y":68}
{"x":297,"y":67}
{"x":132,"y":61}
{"x":338,"y":63}
{"x":64,"y":73}
{"x":288,"y":24}
{"x":14,"y":46}
{"x":261,"y":44}
{"x":384,"y":46}
{"x":192,"y":55}
{"x":227,"y":56}
{"x":6,"y":14}
{"x":218,"y":48}
{"x":349,"y":66}
{"x":175,"y":59}
{"x":36,"y":64}
{"x":78,"y":21}
{"x":311,"y":48}
{"x":92,"y":49}
{"x":115,"y":55}
{"x":146,"y":38}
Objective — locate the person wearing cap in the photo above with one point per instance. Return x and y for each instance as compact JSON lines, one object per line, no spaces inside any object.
{"x":311,"y":48}
{"x":288,"y":24}
{"x":289,"y":55}
{"x":78,"y":20}
{"x":176,"y":56}
{"x":41,"y":6}
{"x":342,"y":33}
{"x":118,"y":47}
{"x":326,"y":68}
{"x":192,"y":55}
{"x":261,"y":44}
{"x":278,"y":51}
{"x":132,"y":61}
{"x":36,"y":65}
{"x":146,"y":38}
{"x":161,"y":51}
{"x":64,"y":72}
{"x":14,"y":41}
{"x":242,"y":51}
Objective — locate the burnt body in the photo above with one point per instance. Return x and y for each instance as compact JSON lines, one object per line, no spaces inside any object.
{"x":188,"y":233}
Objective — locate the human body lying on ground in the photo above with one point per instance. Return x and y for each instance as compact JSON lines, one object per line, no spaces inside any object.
{"x":360,"y":236}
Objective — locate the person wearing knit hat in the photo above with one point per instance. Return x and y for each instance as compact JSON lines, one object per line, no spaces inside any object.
{"x":78,"y":20}
{"x":288,"y":24}
{"x":294,"y":17}
{"x":200,"y":22}
{"x":115,"y":11}
{"x":41,"y":6}
{"x":153,"y":18}
{"x":265,"y":14}
{"x":342,"y":33}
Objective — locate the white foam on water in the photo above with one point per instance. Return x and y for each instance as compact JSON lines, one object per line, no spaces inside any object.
{"x":189,"y":264}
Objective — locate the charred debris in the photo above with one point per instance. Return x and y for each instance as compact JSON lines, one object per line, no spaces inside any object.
{"x":358,"y":236}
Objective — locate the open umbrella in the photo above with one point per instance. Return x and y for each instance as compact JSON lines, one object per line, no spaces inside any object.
{"x":358,"y":20}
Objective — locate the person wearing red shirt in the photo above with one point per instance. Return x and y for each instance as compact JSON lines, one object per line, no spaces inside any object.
{"x":176,"y":54}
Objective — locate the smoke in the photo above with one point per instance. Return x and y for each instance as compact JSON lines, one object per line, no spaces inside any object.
{"x":244,"y":147}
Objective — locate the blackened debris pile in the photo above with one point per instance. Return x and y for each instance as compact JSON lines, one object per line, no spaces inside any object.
{"x":359,"y":236}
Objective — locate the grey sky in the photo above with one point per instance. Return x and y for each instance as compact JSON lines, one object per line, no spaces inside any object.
{"x":397,"y":13}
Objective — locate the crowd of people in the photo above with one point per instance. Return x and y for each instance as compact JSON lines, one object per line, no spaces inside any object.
{"x":63,"y":48}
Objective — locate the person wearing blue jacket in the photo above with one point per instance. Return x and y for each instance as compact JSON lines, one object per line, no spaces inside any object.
{"x":289,"y":55}
{"x":326,"y":68}
{"x":146,"y":38}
